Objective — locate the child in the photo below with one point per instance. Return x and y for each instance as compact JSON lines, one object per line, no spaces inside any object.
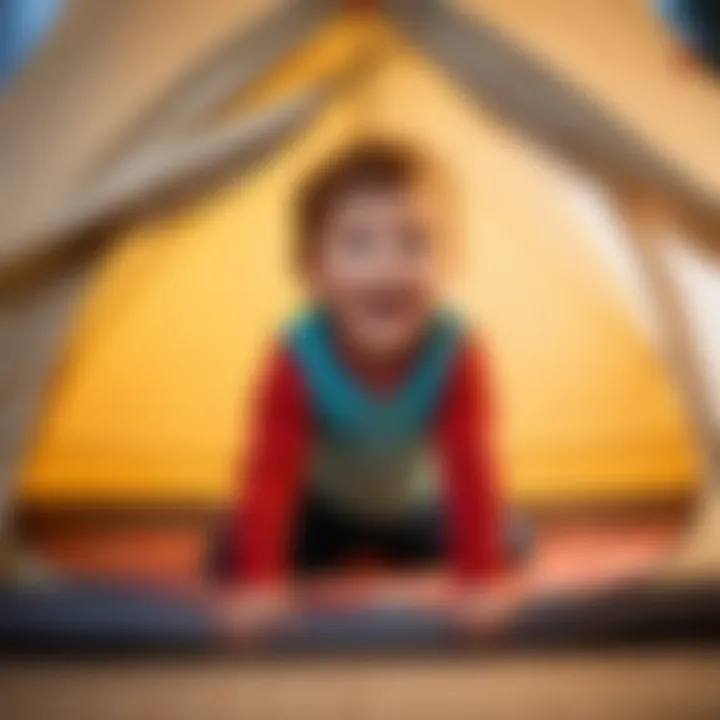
{"x":372,"y":434}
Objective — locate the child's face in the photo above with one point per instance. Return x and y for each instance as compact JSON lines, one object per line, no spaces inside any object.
{"x":378,"y":267}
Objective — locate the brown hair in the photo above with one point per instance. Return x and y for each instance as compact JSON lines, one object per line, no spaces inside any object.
{"x":374,"y":165}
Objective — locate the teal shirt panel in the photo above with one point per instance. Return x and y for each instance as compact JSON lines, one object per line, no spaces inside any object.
{"x":372,"y":456}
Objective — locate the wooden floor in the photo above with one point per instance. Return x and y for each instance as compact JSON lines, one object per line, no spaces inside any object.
{"x":669,"y":686}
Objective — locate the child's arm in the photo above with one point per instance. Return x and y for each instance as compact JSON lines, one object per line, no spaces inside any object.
{"x":273,"y":474}
{"x":465,"y":438}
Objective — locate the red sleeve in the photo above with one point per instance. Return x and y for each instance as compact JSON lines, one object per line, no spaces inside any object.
{"x":273,"y":474}
{"x":466,"y":451}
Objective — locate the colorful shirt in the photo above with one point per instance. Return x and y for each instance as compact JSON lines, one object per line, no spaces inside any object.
{"x":321,"y":427}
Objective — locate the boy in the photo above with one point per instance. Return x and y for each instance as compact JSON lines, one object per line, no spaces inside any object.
{"x":372,"y":432}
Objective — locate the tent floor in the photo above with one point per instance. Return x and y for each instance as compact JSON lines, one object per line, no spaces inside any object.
{"x":670,"y":684}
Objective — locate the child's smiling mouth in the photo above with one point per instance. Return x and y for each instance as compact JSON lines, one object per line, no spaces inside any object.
{"x":386,"y":303}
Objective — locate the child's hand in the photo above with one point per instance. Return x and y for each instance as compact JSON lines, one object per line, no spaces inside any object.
{"x":251,"y":612}
{"x":484,"y":611}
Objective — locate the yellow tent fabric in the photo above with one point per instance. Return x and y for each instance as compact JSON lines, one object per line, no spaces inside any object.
{"x":150,"y":405}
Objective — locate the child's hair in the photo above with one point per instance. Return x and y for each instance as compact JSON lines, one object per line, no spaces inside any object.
{"x":370,"y":165}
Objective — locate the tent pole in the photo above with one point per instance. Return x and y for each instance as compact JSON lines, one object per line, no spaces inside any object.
{"x":645,"y":221}
{"x":31,"y":331}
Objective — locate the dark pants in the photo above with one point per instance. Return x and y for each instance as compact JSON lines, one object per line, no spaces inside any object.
{"x":326,"y":538}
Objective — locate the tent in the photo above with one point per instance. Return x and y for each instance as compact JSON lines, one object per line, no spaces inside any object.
{"x":160,"y":189}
